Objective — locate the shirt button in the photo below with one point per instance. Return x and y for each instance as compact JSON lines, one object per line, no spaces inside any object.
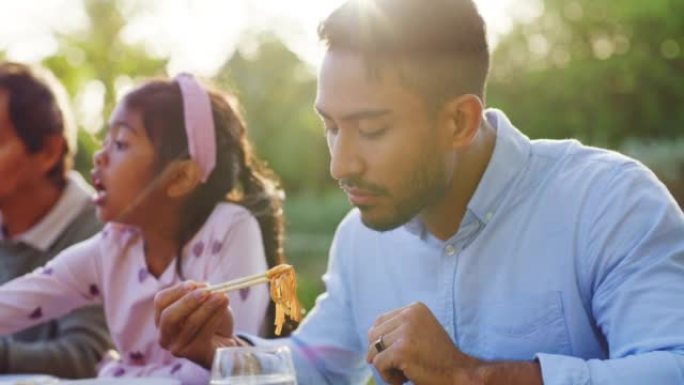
{"x":450,"y":249}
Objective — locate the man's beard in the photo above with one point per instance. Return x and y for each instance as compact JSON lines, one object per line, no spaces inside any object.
{"x":425,"y":185}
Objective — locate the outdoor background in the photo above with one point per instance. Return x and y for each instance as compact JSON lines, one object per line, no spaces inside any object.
{"x":608,"y":73}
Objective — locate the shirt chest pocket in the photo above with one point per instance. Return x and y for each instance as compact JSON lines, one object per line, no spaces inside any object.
{"x":515,"y":329}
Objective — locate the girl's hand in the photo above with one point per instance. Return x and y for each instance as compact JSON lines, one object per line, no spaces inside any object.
{"x":192,"y":323}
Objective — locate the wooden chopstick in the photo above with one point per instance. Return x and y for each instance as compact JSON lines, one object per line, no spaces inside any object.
{"x":250,"y":280}
{"x":239,"y":283}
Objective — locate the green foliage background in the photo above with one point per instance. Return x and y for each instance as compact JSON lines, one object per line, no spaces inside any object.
{"x":599,"y":71}
{"x":608,"y":73}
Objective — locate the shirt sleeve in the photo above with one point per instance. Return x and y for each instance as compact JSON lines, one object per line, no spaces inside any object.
{"x":181,"y":369}
{"x":65,"y":283}
{"x":81,"y":338}
{"x":239,"y":254}
{"x":635,"y":242}
{"x":325,"y":349}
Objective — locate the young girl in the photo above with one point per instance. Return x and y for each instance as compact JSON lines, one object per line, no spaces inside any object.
{"x":184,"y":198}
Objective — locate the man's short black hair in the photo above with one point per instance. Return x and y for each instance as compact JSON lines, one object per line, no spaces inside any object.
{"x":35,"y":112}
{"x":439,"y":46}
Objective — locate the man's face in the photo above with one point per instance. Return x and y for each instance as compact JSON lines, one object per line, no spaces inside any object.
{"x":384,"y":146}
{"x":19,"y":169}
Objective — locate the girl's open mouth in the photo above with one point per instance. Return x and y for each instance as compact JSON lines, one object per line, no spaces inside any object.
{"x":100,"y":191}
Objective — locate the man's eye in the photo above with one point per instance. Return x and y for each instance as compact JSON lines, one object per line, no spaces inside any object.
{"x":373,"y":133}
{"x":120,"y":145}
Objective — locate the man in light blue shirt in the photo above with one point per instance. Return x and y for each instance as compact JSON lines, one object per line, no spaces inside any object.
{"x":474,"y":256}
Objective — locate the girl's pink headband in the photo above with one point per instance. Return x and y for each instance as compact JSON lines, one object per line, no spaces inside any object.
{"x":199,"y":123}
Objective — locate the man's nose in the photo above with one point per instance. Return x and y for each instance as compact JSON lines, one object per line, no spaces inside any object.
{"x":346,"y":160}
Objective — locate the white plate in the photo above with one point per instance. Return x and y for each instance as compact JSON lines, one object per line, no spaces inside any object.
{"x":27,"y":379}
{"x":122,"y":381}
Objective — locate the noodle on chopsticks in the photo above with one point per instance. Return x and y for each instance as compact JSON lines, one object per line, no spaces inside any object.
{"x":283,"y":289}
{"x":284,"y":294}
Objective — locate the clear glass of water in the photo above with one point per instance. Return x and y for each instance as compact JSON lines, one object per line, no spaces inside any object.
{"x":253,"y":366}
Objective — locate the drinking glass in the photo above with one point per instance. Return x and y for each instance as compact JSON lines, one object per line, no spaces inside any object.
{"x":253,"y":366}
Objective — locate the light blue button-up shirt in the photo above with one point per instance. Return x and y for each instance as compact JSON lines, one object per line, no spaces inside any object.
{"x":568,"y":254}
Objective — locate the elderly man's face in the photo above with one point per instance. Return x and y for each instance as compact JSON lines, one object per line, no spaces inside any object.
{"x":19,"y":169}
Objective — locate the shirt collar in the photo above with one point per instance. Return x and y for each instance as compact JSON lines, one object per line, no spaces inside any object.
{"x":511,"y":151}
{"x":75,"y":196}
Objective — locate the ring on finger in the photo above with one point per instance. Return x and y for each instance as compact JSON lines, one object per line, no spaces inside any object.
{"x":380,"y":344}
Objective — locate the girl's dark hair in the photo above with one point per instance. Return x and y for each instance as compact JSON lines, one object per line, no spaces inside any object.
{"x":238,"y":177}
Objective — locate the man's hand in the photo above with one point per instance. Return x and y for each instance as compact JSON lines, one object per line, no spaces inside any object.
{"x":192,"y":323}
{"x":418,"y":349}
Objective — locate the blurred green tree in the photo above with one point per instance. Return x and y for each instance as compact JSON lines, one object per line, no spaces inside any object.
{"x":598,"y":71}
{"x":277,"y":90}
{"x":99,"y":54}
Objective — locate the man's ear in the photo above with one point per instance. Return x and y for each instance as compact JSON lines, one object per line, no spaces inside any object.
{"x":182,"y":177}
{"x":462,"y":117}
{"x":51,"y":153}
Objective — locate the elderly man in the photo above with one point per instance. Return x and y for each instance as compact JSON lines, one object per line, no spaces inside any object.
{"x":44,"y":208}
